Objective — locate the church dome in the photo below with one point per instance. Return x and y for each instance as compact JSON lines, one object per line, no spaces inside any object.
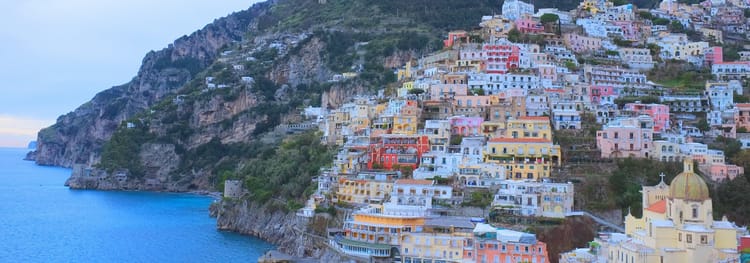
{"x":688,"y":185}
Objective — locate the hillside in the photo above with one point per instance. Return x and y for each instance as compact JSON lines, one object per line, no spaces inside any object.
{"x":171,"y":129}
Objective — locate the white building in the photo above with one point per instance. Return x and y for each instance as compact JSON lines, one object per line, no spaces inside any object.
{"x":637,"y":58}
{"x":515,"y":9}
{"x":565,"y":115}
{"x":419,"y":192}
{"x":534,"y":198}
{"x":731,"y":70}
{"x":493,"y":84}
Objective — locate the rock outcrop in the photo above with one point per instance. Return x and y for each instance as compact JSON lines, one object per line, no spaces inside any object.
{"x":77,"y":137}
{"x":294,"y":235}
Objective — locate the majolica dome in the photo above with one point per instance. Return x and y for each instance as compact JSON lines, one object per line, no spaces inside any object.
{"x":688,"y":185}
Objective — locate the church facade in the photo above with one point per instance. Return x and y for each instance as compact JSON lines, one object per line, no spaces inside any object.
{"x":677,"y":226}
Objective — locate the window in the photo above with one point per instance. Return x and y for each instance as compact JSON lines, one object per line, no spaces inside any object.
{"x":689,"y":238}
{"x":695,"y":212}
{"x":704,"y":239}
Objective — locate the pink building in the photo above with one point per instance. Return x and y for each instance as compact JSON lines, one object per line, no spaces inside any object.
{"x":742,"y":115}
{"x":528,"y":25}
{"x":579,"y":43}
{"x":466,"y":126}
{"x":500,"y":58}
{"x":631,"y":30}
{"x":447,"y":91}
{"x":601,"y":95}
{"x":626,"y":137}
{"x":722,"y":171}
{"x":713,"y":55}
{"x":658,"y":112}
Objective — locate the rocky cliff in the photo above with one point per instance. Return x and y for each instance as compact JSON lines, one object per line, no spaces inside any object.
{"x":294,"y":235}
{"x":77,"y":137}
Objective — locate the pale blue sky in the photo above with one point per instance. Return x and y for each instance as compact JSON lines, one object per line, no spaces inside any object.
{"x":56,"y":54}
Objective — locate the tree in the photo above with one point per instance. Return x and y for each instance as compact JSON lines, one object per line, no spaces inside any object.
{"x":676,"y":27}
{"x":730,"y":146}
{"x":514,"y":35}
{"x":661,"y":21}
{"x":549,"y":18}
{"x":703,"y":125}
{"x":416,"y":91}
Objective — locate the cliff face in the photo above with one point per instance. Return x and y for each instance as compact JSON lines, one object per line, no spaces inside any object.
{"x":77,"y":137}
{"x":297,"y":236}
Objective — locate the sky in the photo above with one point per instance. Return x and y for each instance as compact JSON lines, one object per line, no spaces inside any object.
{"x":57,"y":54}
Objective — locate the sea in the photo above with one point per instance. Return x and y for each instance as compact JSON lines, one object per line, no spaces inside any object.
{"x":41,"y":220}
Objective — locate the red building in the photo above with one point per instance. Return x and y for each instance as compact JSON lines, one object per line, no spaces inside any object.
{"x":501,"y":58}
{"x":455,"y":37}
{"x":396,"y":149}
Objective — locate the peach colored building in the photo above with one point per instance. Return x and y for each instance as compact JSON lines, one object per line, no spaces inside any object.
{"x":492,"y":244}
{"x":626,"y":137}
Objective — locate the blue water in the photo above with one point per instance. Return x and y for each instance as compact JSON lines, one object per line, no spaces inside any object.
{"x":43,"y":221}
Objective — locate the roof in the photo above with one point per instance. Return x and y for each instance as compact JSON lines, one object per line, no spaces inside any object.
{"x":414,"y":181}
{"x":484,"y":228}
{"x":363,"y":244}
{"x":663,"y":223}
{"x":506,"y":235}
{"x":535,"y":118}
{"x":521,"y":140}
{"x":688,"y":185}
{"x":448,"y":221}
{"x":658,"y":207}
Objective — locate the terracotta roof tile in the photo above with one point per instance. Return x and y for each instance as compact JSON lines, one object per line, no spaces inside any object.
{"x":659,"y":207}
{"x":414,"y":181}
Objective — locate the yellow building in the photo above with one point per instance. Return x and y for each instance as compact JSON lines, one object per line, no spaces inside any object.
{"x":406,"y":121}
{"x":442,"y":239}
{"x":523,"y":158}
{"x":359,"y":191}
{"x":677,"y":226}
{"x":529,"y":127}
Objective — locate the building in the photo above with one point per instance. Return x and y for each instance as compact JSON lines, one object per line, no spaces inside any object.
{"x":637,"y":58}
{"x":492,"y":244}
{"x":500,"y":58}
{"x":678,"y":46}
{"x":686,"y":103}
{"x":581,"y":44}
{"x":658,"y":112}
{"x":440,"y":240}
{"x":537,"y":127}
{"x":731,"y":70}
{"x":742,"y":119}
{"x":603,"y":95}
{"x":541,"y":199}
{"x":419,"y":192}
{"x":515,"y":9}
{"x":677,"y":226}
{"x":391,"y":150}
{"x":363,"y":191}
{"x":565,"y":116}
{"x":524,"y":158}
{"x":626,"y":137}
{"x":374,"y":232}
